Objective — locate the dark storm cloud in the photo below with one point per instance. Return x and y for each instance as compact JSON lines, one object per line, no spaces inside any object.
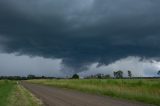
{"x":81,"y":32}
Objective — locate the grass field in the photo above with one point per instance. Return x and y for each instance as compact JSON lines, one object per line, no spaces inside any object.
{"x":6,"y":88}
{"x":13,"y":94}
{"x":144,"y":90}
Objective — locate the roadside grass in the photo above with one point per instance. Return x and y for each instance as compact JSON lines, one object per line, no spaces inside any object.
{"x":20,"y":96}
{"x":142,"y":90}
{"x":6,"y":87}
{"x":13,"y":94}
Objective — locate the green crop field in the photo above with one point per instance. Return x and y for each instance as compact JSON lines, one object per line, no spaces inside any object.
{"x":143,"y":90}
{"x":13,"y":94}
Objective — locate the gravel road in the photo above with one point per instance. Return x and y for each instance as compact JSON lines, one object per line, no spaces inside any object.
{"x":51,"y":96}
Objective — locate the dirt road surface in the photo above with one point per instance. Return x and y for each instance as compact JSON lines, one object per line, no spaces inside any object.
{"x":51,"y":96}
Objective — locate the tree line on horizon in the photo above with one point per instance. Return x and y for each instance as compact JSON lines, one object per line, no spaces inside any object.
{"x":25,"y":77}
{"x":116,"y":75}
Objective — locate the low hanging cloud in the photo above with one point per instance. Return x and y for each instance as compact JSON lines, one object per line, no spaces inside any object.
{"x":81,"y":32}
{"x":138,"y":67}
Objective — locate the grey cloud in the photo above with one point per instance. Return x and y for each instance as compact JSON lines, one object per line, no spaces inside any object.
{"x":10,"y":64}
{"x":81,"y":32}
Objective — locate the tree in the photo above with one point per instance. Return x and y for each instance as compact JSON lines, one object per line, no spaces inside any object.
{"x":99,"y":76}
{"x":106,"y":76}
{"x":158,"y":72}
{"x":114,"y":73}
{"x":118,"y":74}
{"x":75,"y":76}
{"x":31,"y":76}
{"x":129,"y":74}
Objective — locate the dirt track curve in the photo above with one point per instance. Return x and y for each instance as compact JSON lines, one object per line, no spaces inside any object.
{"x":51,"y":96}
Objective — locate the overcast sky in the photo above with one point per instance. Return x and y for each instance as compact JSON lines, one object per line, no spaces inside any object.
{"x":62,"y":37}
